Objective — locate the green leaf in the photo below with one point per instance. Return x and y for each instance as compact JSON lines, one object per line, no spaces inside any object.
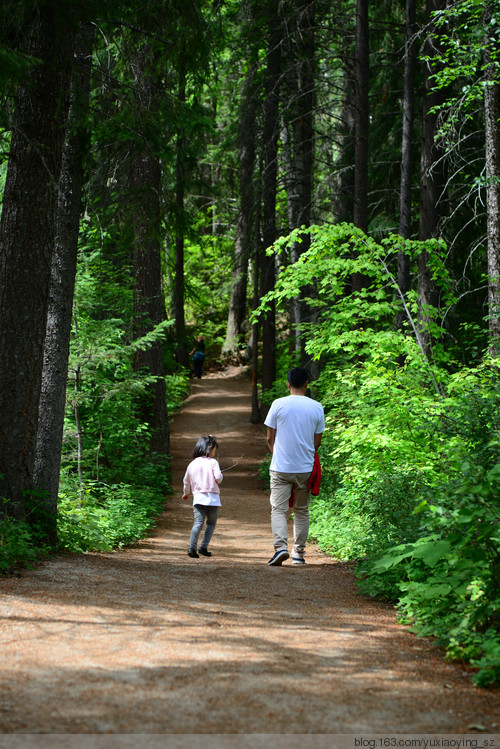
{"x":432,"y":551}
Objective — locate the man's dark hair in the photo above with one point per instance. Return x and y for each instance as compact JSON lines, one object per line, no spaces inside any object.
{"x":297,"y":377}
{"x":203,"y":446}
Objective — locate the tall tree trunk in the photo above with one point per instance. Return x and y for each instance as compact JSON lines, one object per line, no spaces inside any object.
{"x":27,"y":238}
{"x":301,"y":92}
{"x":147,"y":249}
{"x":257,"y":251}
{"x":62,"y":285}
{"x":362,"y":115}
{"x":246,"y":216}
{"x":362,"y":122}
{"x":179,"y":288}
{"x":343,"y":188}
{"x":406,"y":153}
{"x":492,"y":133}
{"x":433,"y":176}
{"x":270,"y":139}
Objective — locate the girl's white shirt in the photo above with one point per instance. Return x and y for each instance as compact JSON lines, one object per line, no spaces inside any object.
{"x":202,"y":478}
{"x":207,"y":499}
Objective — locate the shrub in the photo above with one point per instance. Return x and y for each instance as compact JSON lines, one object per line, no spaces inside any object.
{"x":446,"y":582}
{"x":17,"y":545}
{"x":106,"y":516}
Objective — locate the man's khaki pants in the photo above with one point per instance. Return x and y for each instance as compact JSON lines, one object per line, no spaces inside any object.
{"x":281,"y":488}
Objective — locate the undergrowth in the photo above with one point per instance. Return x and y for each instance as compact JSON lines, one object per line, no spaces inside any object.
{"x":420,"y":516}
{"x":18,"y":545}
{"x":108,"y":510}
{"x":103,"y":517}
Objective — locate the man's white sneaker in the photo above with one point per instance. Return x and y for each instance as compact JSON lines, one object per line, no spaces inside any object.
{"x":298,"y":560}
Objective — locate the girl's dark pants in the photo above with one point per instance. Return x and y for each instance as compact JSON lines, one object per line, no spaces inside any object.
{"x":202,"y":512}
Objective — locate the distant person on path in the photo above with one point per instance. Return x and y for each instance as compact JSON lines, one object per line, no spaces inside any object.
{"x":295,"y":426}
{"x":203,"y":476}
{"x":198,"y":354}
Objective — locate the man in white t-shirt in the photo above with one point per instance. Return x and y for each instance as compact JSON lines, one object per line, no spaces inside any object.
{"x":295,"y":426}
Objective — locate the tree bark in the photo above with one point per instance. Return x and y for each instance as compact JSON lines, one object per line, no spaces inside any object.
{"x":362,"y":122}
{"x":270,"y":139}
{"x":62,"y":285}
{"x":147,"y":249}
{"x":257,"y":250}
{"x":492,"y":135}
{"x":362,"y":115}
{"x":433,"y":176}
{"x":179,"y":288}
{"x":406,"y":154}
{"x":246,"y":215}
{"x":301,"y":93}
{"x":27,"y":238}
{"x":343,"y":190}
{"x":407,"y":135}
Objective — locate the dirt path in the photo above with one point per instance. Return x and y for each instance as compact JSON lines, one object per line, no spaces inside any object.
{"x":147,"y":640}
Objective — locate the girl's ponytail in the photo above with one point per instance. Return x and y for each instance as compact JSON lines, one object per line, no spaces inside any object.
{"x":204,"y":445}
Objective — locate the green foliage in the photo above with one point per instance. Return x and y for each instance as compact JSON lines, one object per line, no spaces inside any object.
{"x":103,"y":431}
{"x":460,"y":36}
{"x":112,"y":487}
{"x":412,"y":487}
{"x":177,"y":385}
{"x":446,"y":582}
{"x":378,"y":455}
{"x":363,"y":517}
{"x":283,"y":364}
{"x":411,"y":454}
{"x":208,"y":277}
{"x":101,"y":516}
{"x":360,"y":323}
{"x":17,"y":544}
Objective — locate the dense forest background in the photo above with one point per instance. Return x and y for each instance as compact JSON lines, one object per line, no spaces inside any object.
{"x":299,"y":182}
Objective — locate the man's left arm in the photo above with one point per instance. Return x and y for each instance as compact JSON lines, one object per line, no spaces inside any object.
{"x":321,"y":427}
{"x":271,"y":436}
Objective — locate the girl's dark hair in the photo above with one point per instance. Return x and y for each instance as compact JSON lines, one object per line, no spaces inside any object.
{"x":204,"y":445}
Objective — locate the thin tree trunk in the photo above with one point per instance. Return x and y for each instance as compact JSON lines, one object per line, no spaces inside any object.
{"x":27,"y":238}
{"x":343,"y":188}
{"x":148,"y":295}
{"x":492,"y":133}
{"x":246,"y":216}
{"x":292,"y":212}
{"x":256,"y":411}
{"x":362,"y":122}
{"x":406,"y":154}
{"x":147,"y":249}
{"x":179,"y":289}
{"x":433,"y":178}
{"x":301,"y":92}
{"x":362,"y":115}
{"x":270,"y":138}
{"x":62,"y":285}
{"x":79,"y":430}
{"x":257,"y":252}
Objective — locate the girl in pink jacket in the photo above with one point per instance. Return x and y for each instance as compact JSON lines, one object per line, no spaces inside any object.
{"x":203,"y":476}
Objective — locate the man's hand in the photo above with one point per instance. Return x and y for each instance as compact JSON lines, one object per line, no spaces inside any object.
{"x":185,"y":496}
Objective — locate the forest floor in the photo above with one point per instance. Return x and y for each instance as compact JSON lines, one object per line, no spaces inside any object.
{"x":146,"y":640}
